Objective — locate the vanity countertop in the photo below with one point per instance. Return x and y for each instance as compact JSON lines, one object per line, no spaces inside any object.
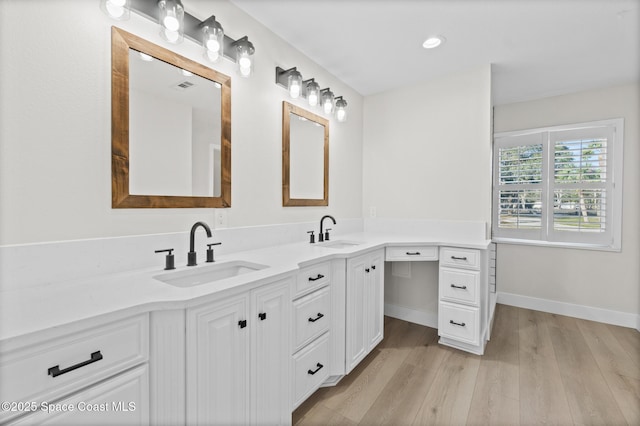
{"x":29,"y":311}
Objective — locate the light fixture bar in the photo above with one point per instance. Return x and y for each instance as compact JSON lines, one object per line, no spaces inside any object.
{"x":192,"y":25}
{"x":338,"y":103}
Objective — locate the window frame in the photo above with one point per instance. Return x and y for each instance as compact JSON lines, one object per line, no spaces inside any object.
{"x":611,"y":238}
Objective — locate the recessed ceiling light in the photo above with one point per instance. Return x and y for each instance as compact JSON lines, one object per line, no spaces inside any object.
{"x":433,"y":42}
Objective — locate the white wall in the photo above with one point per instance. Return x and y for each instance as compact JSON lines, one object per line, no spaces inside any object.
{"x":55,"y":121}
{"x":427,"y":150}
{"x":605,"y":280}
{"x":427,"y":155}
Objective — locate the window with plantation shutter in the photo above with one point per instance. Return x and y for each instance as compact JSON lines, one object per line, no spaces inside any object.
{"x":560,"y":185}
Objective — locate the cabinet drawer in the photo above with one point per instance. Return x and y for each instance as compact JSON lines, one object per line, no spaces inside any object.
{"x":311,"y":316}
{"x":76,"y":360}
{"x":411,"y":253}
{"x":461,"y":258}
{"x":310,"y":369}
{"x":121,"y":400}
{"x":313,"y":277}
{"x":459,"y":285}
{"x":459,"y":322}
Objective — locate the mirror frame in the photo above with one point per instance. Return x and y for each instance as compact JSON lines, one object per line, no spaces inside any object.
{"x":121,"y":42}
{"x":287,"y":201}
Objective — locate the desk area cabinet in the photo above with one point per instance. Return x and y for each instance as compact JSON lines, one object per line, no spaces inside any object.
{"x":365,"y":306}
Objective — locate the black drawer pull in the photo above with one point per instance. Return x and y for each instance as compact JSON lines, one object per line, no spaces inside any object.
{"x":461,"y":287}
{"x":242,"y":323}
{"x":316,"y":318}
{"x":55,"y":371}
{"x":415,"y":253}
{"x":461,"y":324}
{"x":262,"y":316}
{"x":459,"y":258}
{"x":312,"y":372}
{"x":320,"y":276}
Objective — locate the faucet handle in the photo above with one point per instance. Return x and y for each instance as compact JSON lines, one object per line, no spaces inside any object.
{"x":326,"y":234}
{"x":169,"y":262}
{"x":210,"y":251}
{"x":312,"y":238}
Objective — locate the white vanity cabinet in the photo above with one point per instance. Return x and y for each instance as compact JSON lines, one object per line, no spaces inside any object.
{"x":311,"y":330}
{"x":364,"y":305}
{"x":96,"y":374}
{"x":463,"y":298}
{"x":238,"y":358}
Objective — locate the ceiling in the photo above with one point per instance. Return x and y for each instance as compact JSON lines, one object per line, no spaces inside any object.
{"x":537,"y":48}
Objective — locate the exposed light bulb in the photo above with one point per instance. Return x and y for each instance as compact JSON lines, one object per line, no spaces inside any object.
{"x":170,"y":22}
{"x":186,"y":73}
{"x":294,"y":90}
{"x":244,"y":62}
{"x":313,"y":99}
{"x":171,"y":36}
{"x":213,"y":45}
{"x":327,"y":106}
{"x":115,"y":9}
{"x":341,"y":115}
{"x":212,"y":56}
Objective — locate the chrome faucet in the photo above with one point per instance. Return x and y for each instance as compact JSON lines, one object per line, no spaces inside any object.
{"x":191,"y":256}
{"x":325,"y":236}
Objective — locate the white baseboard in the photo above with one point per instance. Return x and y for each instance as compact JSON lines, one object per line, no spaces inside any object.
{"x":429,"y":319}
{"x":607,"y":316}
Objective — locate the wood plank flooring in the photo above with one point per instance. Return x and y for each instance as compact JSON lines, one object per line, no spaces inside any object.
{"x":538,"y":368}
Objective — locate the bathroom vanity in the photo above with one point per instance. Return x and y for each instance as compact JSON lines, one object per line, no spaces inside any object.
{"x":160,"y":347}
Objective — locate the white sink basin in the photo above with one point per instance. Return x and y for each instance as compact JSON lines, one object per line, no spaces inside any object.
{"x":339,"y":244}
{"x":208,"y":274}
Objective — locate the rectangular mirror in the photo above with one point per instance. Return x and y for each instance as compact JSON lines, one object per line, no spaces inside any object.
{"x":171,"y":144}
{"x":305,"y":157}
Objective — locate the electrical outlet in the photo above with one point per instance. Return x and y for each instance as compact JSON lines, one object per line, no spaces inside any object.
{"x":372,"y":212}
{"x":221,"y":218}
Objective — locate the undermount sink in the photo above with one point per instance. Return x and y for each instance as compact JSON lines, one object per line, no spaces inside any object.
{"x":208,"y":274}
{"x":339,"y":244}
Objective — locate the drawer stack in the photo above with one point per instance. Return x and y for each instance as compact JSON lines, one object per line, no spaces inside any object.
{"x":459,"y":296}
{"x":311,"y":323}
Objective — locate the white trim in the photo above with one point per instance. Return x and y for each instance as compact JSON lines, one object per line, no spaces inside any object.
{"x":428,"y":319}
{"x":624,"y":319}
{"x":608,"y":240}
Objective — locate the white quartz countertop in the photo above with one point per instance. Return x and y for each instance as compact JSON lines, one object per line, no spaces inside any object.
{"x":51,"y":305}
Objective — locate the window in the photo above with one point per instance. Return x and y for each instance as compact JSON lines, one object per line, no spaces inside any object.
{"x":559,"y":185}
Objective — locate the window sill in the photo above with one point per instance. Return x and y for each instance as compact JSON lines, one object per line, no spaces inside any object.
{"x":554,"y":244}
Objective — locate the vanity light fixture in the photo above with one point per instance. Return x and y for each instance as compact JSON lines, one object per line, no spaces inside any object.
{"x":244,"y":56}
{"x":295,"y":84}
{"x":171,"y":20}
{"x":313,"y":92}
{"x":327,"y":100}
{"x":291,"y":79}
{"x":212,"y":38}
{"x":116,"y":9}
{"x":176,"y":24}
{"x":341,"y":111}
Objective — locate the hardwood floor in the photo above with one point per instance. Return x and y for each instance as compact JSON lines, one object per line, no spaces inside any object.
{"x":537,"y":368}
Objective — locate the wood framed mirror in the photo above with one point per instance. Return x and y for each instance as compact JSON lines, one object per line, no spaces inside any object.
{"x":305,"y":157}
{"x":170,"y":128}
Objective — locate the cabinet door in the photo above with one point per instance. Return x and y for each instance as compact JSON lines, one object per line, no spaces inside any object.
{"x":217,"y":362}
{"x":271,"y":321}
{"x":121,"y":400}
{"x":374,"y":288}
{"x":356,"y":340}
